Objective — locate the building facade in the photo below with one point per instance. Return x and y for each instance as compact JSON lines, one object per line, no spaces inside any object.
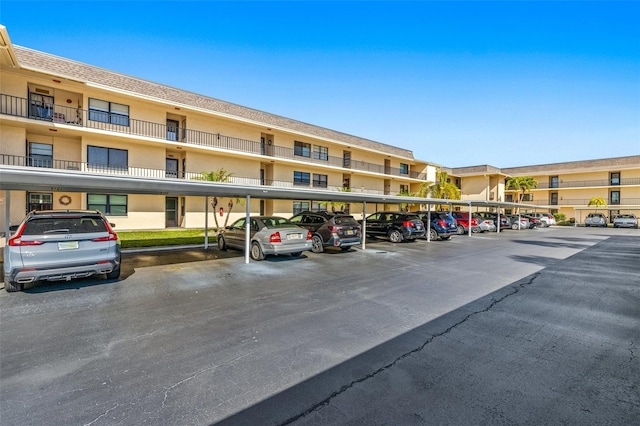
{"x":62,"y":114}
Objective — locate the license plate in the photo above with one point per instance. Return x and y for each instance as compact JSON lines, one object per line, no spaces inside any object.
{"x":294,"y":236}
{"x":349,"y":231}
{"x":67,"y":245}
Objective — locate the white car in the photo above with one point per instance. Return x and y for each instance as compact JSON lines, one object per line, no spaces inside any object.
{"x":546,"y":219}
{"x":625,"y":221}
{"x":596,"y":219}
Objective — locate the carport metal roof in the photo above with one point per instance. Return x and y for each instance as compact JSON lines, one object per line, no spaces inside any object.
{"x":23,"y":178}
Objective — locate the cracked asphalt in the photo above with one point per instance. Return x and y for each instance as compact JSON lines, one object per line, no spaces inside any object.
{"x":525,"y":327}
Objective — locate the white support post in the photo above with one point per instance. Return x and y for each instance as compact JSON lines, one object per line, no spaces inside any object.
{"x":470,"y":217}
{"x":7,"y":212}
{"x":428,"y":223}
{"x":498,"y":228}
{"x":206,"y":222}
{"x":247,"y":229}
{"x":363,"y":234}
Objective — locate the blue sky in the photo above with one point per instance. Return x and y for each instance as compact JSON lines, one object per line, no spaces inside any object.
{"x":458,"y":83}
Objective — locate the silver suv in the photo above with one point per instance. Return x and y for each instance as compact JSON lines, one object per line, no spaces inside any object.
{"x":595,"y":219}
{"x":546,"y":219}
{"x":59,"y":246}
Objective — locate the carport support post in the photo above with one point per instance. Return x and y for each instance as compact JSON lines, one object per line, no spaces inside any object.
{"x":498,"y":226}
{"x":364,"y":224}
{"x":470,"y":217}
{"x":7,"y":209}
{"x":428,"y":223}
{"x":206,"y":222}
{"x":247,"y":229}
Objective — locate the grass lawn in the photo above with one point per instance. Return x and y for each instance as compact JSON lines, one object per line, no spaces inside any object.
{"x":130,"y":239}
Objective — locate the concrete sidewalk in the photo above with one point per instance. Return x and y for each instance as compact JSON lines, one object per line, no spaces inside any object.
{"x":560,"y":346}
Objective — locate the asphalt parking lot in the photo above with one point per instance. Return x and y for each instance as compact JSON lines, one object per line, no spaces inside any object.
{"x":525,"y":327}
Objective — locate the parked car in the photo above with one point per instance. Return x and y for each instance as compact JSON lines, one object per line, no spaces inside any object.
{"x":625,"y":221}
{"x":519,"y":222}
{"x":396,"y":226}
{"x":269,"y":235}
{"x":443,"y":225}
{"x":546,"y":219}
{"x":329,"y":229}
{"x":596,"y":219}
{"x":505,"y":223}
{"x":59,"y":246}
{"x":486,"y":225}
{"x":534,"y":222}
{"x":462,"y":219}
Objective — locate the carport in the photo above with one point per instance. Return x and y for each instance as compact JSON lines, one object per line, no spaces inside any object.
{"x":23,"y":178}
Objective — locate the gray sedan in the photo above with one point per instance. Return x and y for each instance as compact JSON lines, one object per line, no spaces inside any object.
{"x":268,"y":235}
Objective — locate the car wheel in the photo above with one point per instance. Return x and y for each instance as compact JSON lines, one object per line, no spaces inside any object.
{"x":256,"y":251}
{"x":395,"y":236}
{"x":222,"y":244}
{"x":514,"y":226}
{"x":460,"y":230}
{"x":115,"y":274}
{"x":296,"y":254}
{"x":316,"y":244}
{"x":12,"y":286}
{"x":433,"y":235}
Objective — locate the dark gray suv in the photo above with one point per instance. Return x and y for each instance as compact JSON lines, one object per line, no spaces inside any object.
{"x":59,"y":246}
{"x":329,"y":229}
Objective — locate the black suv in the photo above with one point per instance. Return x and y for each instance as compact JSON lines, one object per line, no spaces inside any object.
{"x":329,"y":229}
{"x":397,"y":226}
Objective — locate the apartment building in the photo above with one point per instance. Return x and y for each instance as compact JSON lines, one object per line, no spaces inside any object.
{"x":565,"y":187}
{"x":66,"y":115}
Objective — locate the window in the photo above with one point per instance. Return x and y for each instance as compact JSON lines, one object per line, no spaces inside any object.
{"x":301,"y":178}
{"x":346,"y":159}
{"x":527,"y":197}
{"x":112,"y":205}
{"x":41,"y":106}
{"x":317,"y":206}
{"x":553,"y":182}
{"x":108,"y":112}
{"x":553,"y":200}
{"x":614,"y":178}
{"x":320,"y":153}
{"x":508,"y":198}
{"x":614,"y":197}
{"x":38,"y":201}
{"x":40,"y":154}
{"x":319,"y":181}
{"x":404,"y":189}
{"x":300,"y":206}
{"x":98,"y":156}
{"x":302,"y":149}
{"x":404,"y":169}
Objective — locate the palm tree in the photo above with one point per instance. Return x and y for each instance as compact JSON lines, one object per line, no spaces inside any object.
{"x":220,"y":175}
{"x":336,"y":205}
{"x":597,"y":202}
{"x":405,"y":206}
{"x":442,"y":188}
{"x":521,"y":183}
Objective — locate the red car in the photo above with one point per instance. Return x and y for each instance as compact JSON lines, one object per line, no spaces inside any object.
{"x":462,"y":219}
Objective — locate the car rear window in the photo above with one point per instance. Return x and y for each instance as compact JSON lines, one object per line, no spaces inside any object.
{"x":345,"y":220}
{"x":51,"y":225}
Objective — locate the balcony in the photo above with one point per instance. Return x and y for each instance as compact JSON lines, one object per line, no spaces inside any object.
{"x":19,"y":107}
{"x":587,"y":183}
{"x":584,"y":202}
{"x":75,"y":166}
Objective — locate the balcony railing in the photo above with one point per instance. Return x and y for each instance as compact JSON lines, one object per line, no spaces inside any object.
{"x":15,"y":160}
{"x":584,"y":202}
{"x":587,"y":183}
{"x":19,"y":107}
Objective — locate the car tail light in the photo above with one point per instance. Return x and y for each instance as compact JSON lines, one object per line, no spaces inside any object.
{"x":408,"y":224}
{"x":112,"y":235}
{"x":333,"y":228}
{"x":16,"y":240}
{"x":442,"y":223}
{"x":309,"y":236}
{"x":275,"y":238}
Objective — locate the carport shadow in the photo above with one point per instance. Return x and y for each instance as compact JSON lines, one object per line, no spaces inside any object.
{"x":552,"y":244}
{"x":302,"y":399}
{"x":577,"y":239}
{"x":536,"y":260}
{"x":40,"y":287}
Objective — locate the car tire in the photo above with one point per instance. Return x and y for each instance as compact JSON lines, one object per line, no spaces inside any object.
{"x":514,"y":226}
{"x":115,"y":274}
{"x":256,"y":251}
{"x":395,"y":236}
{"x":447,"y":238}
{"x":317,"y":246}
{"x":12,"y":286}
{"x":222,"y":244}
{"x":433,"y":235}
{"x":296,"y":254}
{"x":460,"y":230}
